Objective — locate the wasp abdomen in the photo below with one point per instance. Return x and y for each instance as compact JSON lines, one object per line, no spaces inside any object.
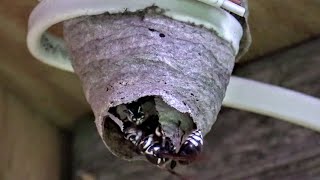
{"x":151,"y":147}
{"x":133,"y":134}
{"x":192,"y":146}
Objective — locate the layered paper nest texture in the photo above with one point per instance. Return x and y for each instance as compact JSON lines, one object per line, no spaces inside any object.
{"x":123,"y":57}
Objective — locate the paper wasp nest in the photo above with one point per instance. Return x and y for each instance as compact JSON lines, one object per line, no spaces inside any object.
{"x":179,"y":70}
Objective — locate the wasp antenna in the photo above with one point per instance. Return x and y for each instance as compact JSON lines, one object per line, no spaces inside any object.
{"x":177,"y":157}
{"x":131,"y":113}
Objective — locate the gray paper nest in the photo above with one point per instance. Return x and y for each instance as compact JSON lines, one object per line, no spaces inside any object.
{"x":124,"y":57}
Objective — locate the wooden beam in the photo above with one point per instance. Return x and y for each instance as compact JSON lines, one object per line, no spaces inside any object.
{"x":54,"y":94}
{"x":30,"y":148}
{"x":281,"y":24}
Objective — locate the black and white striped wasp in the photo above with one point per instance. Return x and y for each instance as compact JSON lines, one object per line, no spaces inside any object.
{"x":149,"y":140}
{"x":151,"y":146}
{"x":138,"y":111}
{"x":159,"y":149}
{"x":135,"y":113}
{"x":187,"y":153}
{"x":189,"y":150}
{"x":144,"y":131}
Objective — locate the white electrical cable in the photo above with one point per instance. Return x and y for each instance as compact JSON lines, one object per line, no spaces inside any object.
{"x":273,"y":101}
{"x":52,"y":51}
{"x":226,"y":4}
{"x":215,"y":3}
{"x":232,"y":7}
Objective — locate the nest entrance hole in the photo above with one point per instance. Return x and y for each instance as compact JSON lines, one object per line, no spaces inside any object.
{"x":130,"y":115}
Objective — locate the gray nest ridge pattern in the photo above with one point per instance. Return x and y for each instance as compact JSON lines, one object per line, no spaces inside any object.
{"x":123,"y":57}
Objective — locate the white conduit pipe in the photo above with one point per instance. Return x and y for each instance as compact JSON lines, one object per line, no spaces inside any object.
{"x":228,"y":5}
{"x":232,"y":7}
{"x":273,"y":101}
{"x":241,"y":94}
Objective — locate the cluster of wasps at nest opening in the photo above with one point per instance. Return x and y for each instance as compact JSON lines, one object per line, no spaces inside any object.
{"x":142,"y":128}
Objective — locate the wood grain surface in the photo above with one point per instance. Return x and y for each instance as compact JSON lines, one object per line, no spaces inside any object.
{"x":29,"y":146}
